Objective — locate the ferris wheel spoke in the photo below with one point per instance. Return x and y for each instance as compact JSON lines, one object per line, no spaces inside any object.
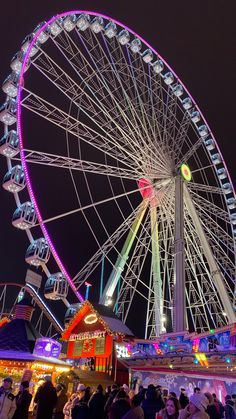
{"x":185,"y":158}
{"x":52,"y":160}
{"x":112,"y":103}
{"x":78,"y":129}
{"x":210,"y":207}
{"x":205,"y":188}
{"x":104,"y":249}
{"x":84,"y":101}
{"x":215,"y":272}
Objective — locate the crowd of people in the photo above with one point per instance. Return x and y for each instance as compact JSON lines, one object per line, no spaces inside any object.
{"x":116,"y":402}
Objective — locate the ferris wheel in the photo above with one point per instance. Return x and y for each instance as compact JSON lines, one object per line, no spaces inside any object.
{"x":122,"y":170}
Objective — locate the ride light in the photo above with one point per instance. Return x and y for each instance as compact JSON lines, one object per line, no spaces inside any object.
{"x":168,"y":78}
{"x":9,"y":144}
{"x":187,"y":103}
{"x":83,"y":22}
{"x":17,"y":61}
{"x":110,"y":30}
{"x":26,"y":43}
{"x":136,"y":45}
{"x":195,"y":116}
{"x":10,"y":85}
{"x":97,"y":24}
{"x":227,"y":189}
{"x":216,"y":158}
{"x":147,"y":55}
{"x":91,"y":318}
{"x":56,"y":27}
{"x":222,"y":173}
{"x":231,"y":203}
{"x":69,"y":22}
{"x":123,"y":37}
{"x":203,"y":131}
{"x":178,"y":90}
{"x":158,"y":66}
{"x":209,"y":143}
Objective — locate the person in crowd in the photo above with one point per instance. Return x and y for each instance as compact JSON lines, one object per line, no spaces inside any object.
{"x":46,"y":399}
{"x":211,"y":408}
{"x":172,"y":394}
{"x":23,"y":400}
{"x":136,"y":412}
{"x":196,"y":390}
{"x":119,"y":408}
{"x":219,"y":406}
{"x":125,"y":388}
{"x":7,"y":399}
{"x":183,"y":398}
{"x":171,"y":411}
{"x":107,"y":393}
{"x":152,"y":403}
{"x":96,"y":404}
{"x":114,"y":391}
{"x":61,"y":401}
{"x":196,"y":409}
{"x":141,"y":394}
{"x":87,"y":394}
{"x":68,"y":406}
{"x":234,"y":400}
{"x":229,"y":408}
{"x":80,"y":409}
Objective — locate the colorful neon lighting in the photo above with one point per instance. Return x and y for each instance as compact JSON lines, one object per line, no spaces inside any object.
{"x":185,"y":172}
{"x":90,"y":319}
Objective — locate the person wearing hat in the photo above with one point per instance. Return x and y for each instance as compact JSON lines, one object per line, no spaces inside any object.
{"x":7,"y":399}
{"x":196,"y":409}
{"x":23,"y":400}
{"x":80,"y":408}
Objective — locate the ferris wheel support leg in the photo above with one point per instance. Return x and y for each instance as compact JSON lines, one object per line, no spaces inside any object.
{"x":156,"y":271}
{"x":179,"y":323}
{"x":123,"y":256}
{"x":214,"y":269}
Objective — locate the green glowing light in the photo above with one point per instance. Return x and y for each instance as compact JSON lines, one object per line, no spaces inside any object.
{"x":185,"y":172}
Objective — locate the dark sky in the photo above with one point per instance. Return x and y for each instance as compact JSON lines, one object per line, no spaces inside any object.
{"x":197,"y":39}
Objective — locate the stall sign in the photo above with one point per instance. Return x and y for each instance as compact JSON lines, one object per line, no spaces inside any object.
{"x":87,"y":335}
{"x":47,"y":347}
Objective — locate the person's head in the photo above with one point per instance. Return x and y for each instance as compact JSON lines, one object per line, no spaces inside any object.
{"x":108,"y":389}
{"x":198,"y":403}
{"x":197,"y":390}
{"x":81,"y":391}
{"x":172,"y":406}
{"x":121,"y":395}
{"x":72,"y":397}
{"x":234,"y":397}
{"x":7,"y":383}
{"x":214,"y":395}
{"x":114,"y":387}
{"x":24,"y":385}
{"x":135,"y":402}
{"x":99,"y":388}
{"x":172,"y":394}
{"x":125,"y":388}
{"x":209,"y":396}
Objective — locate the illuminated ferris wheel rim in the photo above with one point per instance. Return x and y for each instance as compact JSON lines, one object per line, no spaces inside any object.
{"x":19,"y":122}
{"x":148,"y":185}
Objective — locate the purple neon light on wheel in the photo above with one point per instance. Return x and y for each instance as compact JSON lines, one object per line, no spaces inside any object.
{"x":99,"y":112}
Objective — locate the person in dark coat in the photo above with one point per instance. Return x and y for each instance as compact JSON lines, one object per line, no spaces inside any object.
{"x":46,"y":399}
{"x":87,"y":394}
{"x":183,"y":398}
{"x":211,"y":408}
{"x":152,"y":403}
{"x":229,"y":408}
{"x":96,"y":404}
{"x":80,"y":409}
{"x":113,"y":393}
{"x":23,"y":400}
{"x":61,"y":401}
{"x":119,"y":408}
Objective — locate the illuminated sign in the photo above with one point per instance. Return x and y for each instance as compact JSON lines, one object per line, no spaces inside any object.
{"x":47,"y":347}
{"x":185,"y":172}
{"x":90,"y":318}
{"x":122,"y":351}
{"x":87,"y":335}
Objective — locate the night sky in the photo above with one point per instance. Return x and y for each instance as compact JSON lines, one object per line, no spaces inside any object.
{"x":197,"y":39}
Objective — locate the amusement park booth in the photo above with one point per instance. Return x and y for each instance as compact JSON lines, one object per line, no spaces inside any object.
{"x":24,"y":354}
{"x":91,"y":335}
